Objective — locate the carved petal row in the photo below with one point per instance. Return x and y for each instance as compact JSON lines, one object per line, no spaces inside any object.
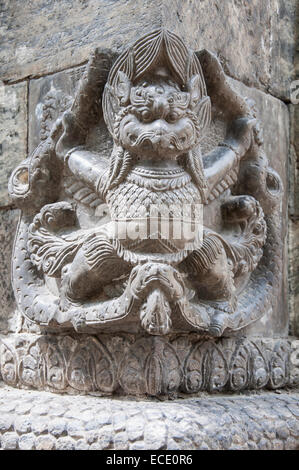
{"x":138,"y":366}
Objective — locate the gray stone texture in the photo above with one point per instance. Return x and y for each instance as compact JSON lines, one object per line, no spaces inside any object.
{"x":44,"y":109}
{"x":259,"y":55}
{"x":53,"y":40}
{"x":130,"y":366}
{"x":49,"y":97}
{"x":294,"y":201}
{"x":259,"y":421}
{"x":294,"y":275}
{"x":13,"y":132}
{"x":276,"y":146}
{"x":255,"y":39}
{"x":8,"y":225}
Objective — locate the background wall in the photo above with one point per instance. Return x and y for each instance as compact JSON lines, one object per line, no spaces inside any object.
{"x":45,"y":43}
{"x":294,"y":196}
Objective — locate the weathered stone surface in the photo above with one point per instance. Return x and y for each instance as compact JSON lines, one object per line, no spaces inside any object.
{"x":275,"y":131}
{"x":22,"y":424}
{"x":284,"y":28}
{"x":57,"y":427}
{"x":48,"y":98}
{"x":5,"y":422}
{"x":294,"y":158}
{"x":265,"y":421}
{"x":9,"y":441}
{"x":13,"y":132}
{"x":39,"y":424}
{"x":276,"y":145}
{"x":45,"y":443}
{"x":186,"y":365}
{"x":255,"y":39}
{"x":27,"y":442}
{"x":65,"y":443}
{"x":50,"y":40}
{"x":294,"y":275}
{"x":293,"y":248}
{"x":185,"y":178}
{"x":8,"y":225}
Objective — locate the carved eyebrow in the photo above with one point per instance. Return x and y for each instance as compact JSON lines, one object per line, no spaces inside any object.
{"x":174,"y":101}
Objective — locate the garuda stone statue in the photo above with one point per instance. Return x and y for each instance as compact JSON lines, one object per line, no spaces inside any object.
{"x":148,"y":232}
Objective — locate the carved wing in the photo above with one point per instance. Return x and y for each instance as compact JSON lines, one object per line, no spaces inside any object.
{"x":77,"y":190}
{"x":229,"y":180}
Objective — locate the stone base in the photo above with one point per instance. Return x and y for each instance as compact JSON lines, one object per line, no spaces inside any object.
{"x":44,"y":421}
{"x":136,"y":365}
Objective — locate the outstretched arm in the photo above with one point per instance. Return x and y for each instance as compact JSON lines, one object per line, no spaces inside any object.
{"x":86,"y":166}
{"x":225,"y":158}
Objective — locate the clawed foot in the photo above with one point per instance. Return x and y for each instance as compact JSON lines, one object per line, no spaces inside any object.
{"x":78,"y":320}
{"x":74,"y":312}
{"x":66,"y":304}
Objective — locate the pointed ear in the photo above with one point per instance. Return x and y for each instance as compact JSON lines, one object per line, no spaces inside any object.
{"x":122,"y":88}
{"x":194,"y":89}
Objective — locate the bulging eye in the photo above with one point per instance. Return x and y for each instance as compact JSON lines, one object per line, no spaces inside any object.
{"x":132,"y":138}
{"x":172,"y":117}
{"x":146,"y":115}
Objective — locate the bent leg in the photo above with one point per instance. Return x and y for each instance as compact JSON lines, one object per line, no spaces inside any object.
{"x":210,"y":271}
{"x":95,"y":265}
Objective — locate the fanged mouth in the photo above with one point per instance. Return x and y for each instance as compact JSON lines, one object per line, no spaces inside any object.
{"x":151,"y":140}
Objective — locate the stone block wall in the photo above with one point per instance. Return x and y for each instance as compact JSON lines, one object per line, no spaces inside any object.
{"x":294,"y":198}
{"x":45,"y":45}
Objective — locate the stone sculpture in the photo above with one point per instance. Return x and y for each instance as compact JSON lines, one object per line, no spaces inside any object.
{"x":157,"y":110}
{"x":79,"y":259}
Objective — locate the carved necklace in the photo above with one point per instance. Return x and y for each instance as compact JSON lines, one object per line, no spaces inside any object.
{"x":159,"y":179}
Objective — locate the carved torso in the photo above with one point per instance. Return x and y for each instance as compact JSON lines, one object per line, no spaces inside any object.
{"x":146,"y":196}
{"x":144,"y":187}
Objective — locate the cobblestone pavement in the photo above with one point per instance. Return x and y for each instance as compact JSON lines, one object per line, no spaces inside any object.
{"x":44,"y":421}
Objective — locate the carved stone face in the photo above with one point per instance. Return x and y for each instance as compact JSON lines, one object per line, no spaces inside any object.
{"x":159,"y":122}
